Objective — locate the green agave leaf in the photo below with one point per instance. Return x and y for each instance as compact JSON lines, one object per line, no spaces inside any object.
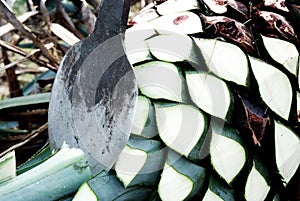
{"x":181,"y":23}
{"x":175,"y":48}
{"x":274,"y":87}
{"x":5,"y":133}
{"x":175,"y":6}
{"x":59,"y":176}
{"x":38,"y":158}
{"x":29,"y":87}
{"x":105,"y":186}
{"x":160,"y":80}
{"x":26,"y":102}
{"x":209,"y":93}
{"x":217,"y":191}
{"x":287,"y":151}
{"x":7,"y":166}
{"x":283,"y":52}
{"x":225,"y":60}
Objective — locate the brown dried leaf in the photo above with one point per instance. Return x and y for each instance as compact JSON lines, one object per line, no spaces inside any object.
{"x":9,"y":27}
{"x":251,"y":118}
{"x":256,"y":124}
{"x":275,"y":25}
{"x":239,"y":7}
{"x":231,"y":30}
{"x":277,"y":4}
{"x":10,"y":17}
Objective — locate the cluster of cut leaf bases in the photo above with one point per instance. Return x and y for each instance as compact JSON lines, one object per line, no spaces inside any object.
{"x":217,"y":116}
{"x":218,"y":83}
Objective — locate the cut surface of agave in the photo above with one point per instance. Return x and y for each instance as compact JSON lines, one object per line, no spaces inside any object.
{"x":135,"y":45}
{"x":129,"y":164}
{"x":160,"y":80}
{"x":283,"y":52}
{"x":85,"y":193}
{"x":175,"y":48}
{"x":140,"y":162}
{"x":209,"y":196}
{"x":287,"y":151}
{"x":209,"y":93}
{"x":256,"y":188}
{"x":182,"y":23}
{"x":180,"y":127}
{"x":225,"y":60}
{"x":180,"y":179}
{"x":274,"y":87}
{"x":144,"y":121}
{"x":228,"y":155}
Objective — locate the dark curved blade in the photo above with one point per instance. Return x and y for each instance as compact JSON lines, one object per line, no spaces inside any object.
{"x":94,"y":94}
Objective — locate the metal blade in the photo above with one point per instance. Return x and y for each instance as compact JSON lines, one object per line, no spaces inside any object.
{"x":94,"y":94}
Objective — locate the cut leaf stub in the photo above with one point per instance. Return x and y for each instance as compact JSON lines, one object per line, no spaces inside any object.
{"x":225,"y":60}
{"x":160,"y":80}
{"x":274,"y":87}
{"x":209,"y":93}
{"x":175,"y":48}
{"x":144,"y":121}
{"x":182,"y":23}
{"x":106,"y":186}
{"x":140,"y":162}
{"x":182,"y":128}
{"x":180,"y":179}
{"x":228,"y":155}
{"x":217,"y":191}
{"x":283,"y":52}
{"x":257,"y":187}
{"x":287,"y":151}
